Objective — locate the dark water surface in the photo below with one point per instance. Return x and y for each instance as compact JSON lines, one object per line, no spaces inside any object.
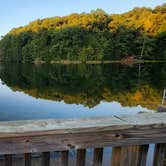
{"x":71,"y":91}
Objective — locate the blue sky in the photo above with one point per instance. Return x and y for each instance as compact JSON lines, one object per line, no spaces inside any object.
{"x":14,"y":13}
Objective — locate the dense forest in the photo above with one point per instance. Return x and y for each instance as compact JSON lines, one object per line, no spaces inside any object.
{"x":89,"y":84}
{"x":89,"y":36}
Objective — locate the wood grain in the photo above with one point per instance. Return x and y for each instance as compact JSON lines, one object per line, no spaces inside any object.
{"x":81,"y":157}
{"x":64,"y":135}
{"x":64,"y":158}
{"x":45,"y":159}
{"x":130,"y":156}
{"x":27,"y":157}
{"x":8,"y":160}
{"x":143,"y":152}
{"x":98,"y":157}
{"x":116,"y":156}
{"x":159,"y":155}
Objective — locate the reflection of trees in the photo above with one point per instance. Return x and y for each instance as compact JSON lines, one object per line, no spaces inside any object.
{"x":88,"y":84}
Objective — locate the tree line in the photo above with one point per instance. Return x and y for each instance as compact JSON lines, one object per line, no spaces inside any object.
{"x":89,"y":36}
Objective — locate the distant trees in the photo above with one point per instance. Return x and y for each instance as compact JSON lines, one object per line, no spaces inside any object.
{"x":89,"y":36}
{"x":160,"y":9}
{"x":151,"y":21}
{"x":159,"y":48}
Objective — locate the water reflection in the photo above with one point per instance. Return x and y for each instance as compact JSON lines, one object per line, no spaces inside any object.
{"x":62,"y":91}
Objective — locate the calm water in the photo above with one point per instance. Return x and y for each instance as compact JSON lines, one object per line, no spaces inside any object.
{"x":70,"y":91}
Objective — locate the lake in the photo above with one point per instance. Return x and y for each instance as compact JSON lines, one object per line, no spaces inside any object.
{"x":70,"y":91}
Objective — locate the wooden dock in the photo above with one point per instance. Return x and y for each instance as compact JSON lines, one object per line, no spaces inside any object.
{"x":129,"y":136}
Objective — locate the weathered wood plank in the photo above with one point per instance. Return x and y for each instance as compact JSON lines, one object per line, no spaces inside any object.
{"x":27,"y":157}
{"x":96,"y":132}
{"x":116,"y":156}
{"x":60,"y":142}
{"x":17,"y":128}
{"x":159,"y":155}
{"x":144,"y":118}
{"x":64,"y":158}
{"x":143,"y":152}
{"x":60,"y":125}
{"x":8,"y":160}
{"x":98,"y":157}
{"x":45,"y":159}
{"x":81,"y":157}
{"x":129,"y":156}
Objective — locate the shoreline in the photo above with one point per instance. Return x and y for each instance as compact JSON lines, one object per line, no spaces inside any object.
{"x":68,"y":62}
{"x":105,"y":62}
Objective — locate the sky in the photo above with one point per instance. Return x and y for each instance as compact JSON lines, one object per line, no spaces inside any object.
{"x":14,"y":13}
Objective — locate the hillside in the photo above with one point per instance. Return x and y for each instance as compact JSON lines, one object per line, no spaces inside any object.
{"x":89,"y":36}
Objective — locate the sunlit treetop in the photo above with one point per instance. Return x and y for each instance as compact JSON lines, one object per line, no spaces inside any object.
{"x":151,"y":20}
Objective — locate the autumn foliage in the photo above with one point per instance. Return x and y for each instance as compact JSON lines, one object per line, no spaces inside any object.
{"x":89,"y":37}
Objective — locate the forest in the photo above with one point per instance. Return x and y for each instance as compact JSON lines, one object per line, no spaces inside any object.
{"x":94,"y":36}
